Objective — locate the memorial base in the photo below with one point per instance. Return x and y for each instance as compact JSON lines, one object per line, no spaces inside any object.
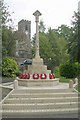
{"x":38,"y":82}
{"x":38,"y":66}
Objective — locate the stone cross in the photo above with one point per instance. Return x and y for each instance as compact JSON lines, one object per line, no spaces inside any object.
{"x":37,"y":14}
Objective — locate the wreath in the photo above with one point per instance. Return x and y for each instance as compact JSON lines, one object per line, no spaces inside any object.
{"x":43,"y":76}
{"x":21,"y":76}
{"x":51,"y":76}
{"x":24,"y":76}
{"x":27,"y":76}
{"x":35,"y":76}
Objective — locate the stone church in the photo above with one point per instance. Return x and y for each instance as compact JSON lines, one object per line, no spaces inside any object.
{"x":23,"y":40}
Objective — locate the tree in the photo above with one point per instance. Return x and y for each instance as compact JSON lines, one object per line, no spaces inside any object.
{"x":8,"y":44}
{"x":5,"y":14}
{"x":53,"y":39}
{"x":42,"y":27}
{"x":69,"y":70}
{"x":74,"y":44}
{"x":45,"y":47}
{"x":64,"y":31}
{"x":52,"y":47}
{"x":62,"y":43}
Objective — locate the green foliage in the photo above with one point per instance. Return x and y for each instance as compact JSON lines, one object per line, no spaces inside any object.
{"x":9,"y":67}
{"x":78,"y":68}
{"x":69,"y":70}
{"x":53,"y":46}
{"x":74,"y":40}
{"x":62,"y":43}
{"x":58,"y":44}
{"x":46,"y":51}
{"x":8,"y":42}
{"x":65,"y":31}
{"x":18,"y":73}
{"x":57,"y":72}
{"x":45,"y":48}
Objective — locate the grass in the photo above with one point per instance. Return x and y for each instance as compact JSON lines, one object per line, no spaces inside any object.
{"x":64,"y":80}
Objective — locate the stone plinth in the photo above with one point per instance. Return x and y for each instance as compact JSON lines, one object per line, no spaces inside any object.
{"x":38,"y":82}
{"x":38,"y":67}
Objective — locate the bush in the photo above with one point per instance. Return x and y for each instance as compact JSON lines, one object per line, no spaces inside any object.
{"x":17,"y":73}
{"x":78,"y":67}
{"x":69,"y":70}
{"x":9,"y":67}
{"x":56,"y":71}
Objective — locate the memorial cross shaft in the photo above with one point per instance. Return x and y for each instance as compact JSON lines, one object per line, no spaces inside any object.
{"x":37,"y":14}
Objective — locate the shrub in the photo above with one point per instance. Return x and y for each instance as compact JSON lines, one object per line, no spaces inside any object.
{"x":78,"y":67}
{"x":18,"y":73}
{"x":56,"y":71}
{"x":69,"y":70}
{"x":9,"y":67}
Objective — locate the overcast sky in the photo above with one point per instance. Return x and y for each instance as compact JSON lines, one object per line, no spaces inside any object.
{"x":54,"y":12}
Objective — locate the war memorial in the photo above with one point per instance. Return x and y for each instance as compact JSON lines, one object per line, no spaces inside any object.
{"x":38,"y":75}
{"x":40,"y":95}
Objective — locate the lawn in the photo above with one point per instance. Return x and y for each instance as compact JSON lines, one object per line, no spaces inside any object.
{"x":64,"y":80}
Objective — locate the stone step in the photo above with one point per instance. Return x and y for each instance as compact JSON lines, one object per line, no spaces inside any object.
{"x":40,"y":95}
{"x":39,"y":113}
{"x":42,"y":90}
{"x":39,"y":106}
{"x":40,"y":100}
{"x":37,"y":102}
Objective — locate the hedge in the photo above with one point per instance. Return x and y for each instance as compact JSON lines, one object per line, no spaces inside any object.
{"x":69,"y":70}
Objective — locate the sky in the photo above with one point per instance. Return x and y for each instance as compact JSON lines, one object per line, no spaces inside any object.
{"x":54,"y":12}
